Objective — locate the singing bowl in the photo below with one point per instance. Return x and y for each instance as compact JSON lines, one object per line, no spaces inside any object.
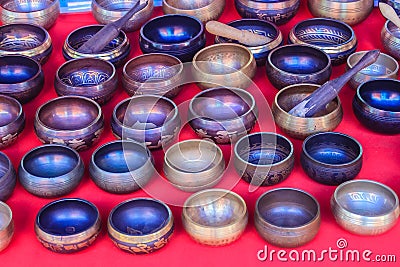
{"x":121,"y":167}
{"x":257,"y":26}
{"x":107,"y":11}
{"x":334,"y":37}
{"x":377,"y":105}
{"x":287,"y":217}
{"x":8,"y":178}
{"x":67,"y":225}
{"x":264,"y":158}
{"x":225,"y":64}
{"x":194,"y":165}
{"x":296,"y":64}
{"x":140,"y":225}
{"x":117,"y":51}
{"x":349,"y":11}
{"x":153,"y":74}
{"x":331,"y":158}
{"x":20,"y":77}
{"x":93,"y":78}
{"x":390,"y":39}
{"x":51,"y":171}
{"x":177,"y":35}
{"x":39,"y":12}
{"x":365,"y":207}
{"x":6,"y":225}
{"x":214,"y":217}
{"x":276,"y":11}
{"x":73,"y":121}
{"x":298,"y":127}
{"x":12,"y":120}
{"x":149,"y":119}
{"x":204,"y":10}
{"x":26,"y":40}
{"x":222,"y":114}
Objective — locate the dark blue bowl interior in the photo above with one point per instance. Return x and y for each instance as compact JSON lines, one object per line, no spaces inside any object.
{"x":381,"y":94}
{"x":17,"y":69}
{"x":20,"y":37}
{"x":139,"y":217}
{"x":67,"y":217}
{"x":10,"y":110}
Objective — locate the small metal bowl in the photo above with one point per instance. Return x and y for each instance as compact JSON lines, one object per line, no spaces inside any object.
{"x":39,"y":12}
{"x":177,"y":35}
{"x":287,"y":217}
{"x":117,"y":51}
{"x":204,"y":10}
{"x":121,"y":167}
{"x":331,"y":158}
{"x":67,"y":225}
{"x":194,"y":165}
{"x":20,"y":77}
{"x":390,"y":38}
{"x":295,"y":64}
{"x":365,"y":207}
{"x":260,"y":27}
{"x":93,"y":78}
{"x":276,"y":11}
{"x":51,"y":170}
{"x":298,"y":127}
{"x":225,"y":64}
{"x":73,"y":121}
{"x":264,"y":158}
{"x":6,"y":225}
{"x":8,"y":178}
{"x":26,"y":40}
{"x":334,"y":37}
{"x":149,"y":119}
{"x":215,"y":217}
{"x":12,"y":120}
{"x":140,"y":225}
{"x":153,"y":74}
{"x":377,"y":105}
{"x":222,"y":114}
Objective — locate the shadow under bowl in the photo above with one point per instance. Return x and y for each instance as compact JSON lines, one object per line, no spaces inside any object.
{"x":204,"y":10}
{"x":6,"y":225}
{"x":8,"y":178}
{"x":12,"y":120}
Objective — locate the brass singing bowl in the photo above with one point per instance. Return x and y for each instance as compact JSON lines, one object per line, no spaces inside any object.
{"x":6,"y":225}
{"x":204,"y":10}
{"x":390,"y":38}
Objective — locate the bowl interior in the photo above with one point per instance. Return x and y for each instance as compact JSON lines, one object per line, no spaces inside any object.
{"x":140,"y":217}
{"x":4,"y":165}
{"x":17,"y":69}
{"x":381,"y":94}
{"x":5,"y":216}
{"x":188,"y":4}
{"x":26,"y":6}
{"x":10,"y":110}
{"x":20,"y":37}
{"x":393,"y":29}
{"x":384,"y":65}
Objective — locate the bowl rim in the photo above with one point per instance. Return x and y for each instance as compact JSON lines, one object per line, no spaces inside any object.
{"x":114,"y":12}
{"x":9,"y":217}
{"x":35,"y":12}
{"x":260,"y":5}
{"x":386,"y":27}
{"x":20,"y":114}
{"x":196,"y":10}
{"x":18,"y":85}
{"x":381,"y":54}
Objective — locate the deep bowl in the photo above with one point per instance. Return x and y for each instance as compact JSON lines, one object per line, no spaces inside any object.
{"x":121,"y":167}
{"x":334,"y":37}
{"x":287,"y":217}
{"x":365,"y":207}
{"x":214,"y":217}
{"x":204,"y":10}
{"x":177,"y":35}
{"x":331,"y":158}
{"x":6,"y":225}
{"x":140,"y":225}
{"x":67,"y":225}
{"x":295,"y":64}
{"x":93,"y":78}
{"x":73,"y":121}
{"x":8,"y":178}
{"x":390,"y":39}
{"x":12,"y":120}
{"x":222,"y":114}
{"x":264,"y":158}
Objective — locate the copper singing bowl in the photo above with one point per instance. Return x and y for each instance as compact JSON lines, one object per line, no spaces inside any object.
{"x":390,"y":38}
{"x":12,"y":120}
{"x":6,"y":225}
{"x":204,"y":10}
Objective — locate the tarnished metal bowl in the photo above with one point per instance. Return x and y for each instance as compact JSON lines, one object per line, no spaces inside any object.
{"x":12,"y":120}
{"x":204,"y":10}
{"x":8,"y":178}
{"x":390,"y":38}
{"x":6,"y":225}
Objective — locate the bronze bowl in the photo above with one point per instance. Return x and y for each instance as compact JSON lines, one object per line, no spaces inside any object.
{"x":12,"y":120}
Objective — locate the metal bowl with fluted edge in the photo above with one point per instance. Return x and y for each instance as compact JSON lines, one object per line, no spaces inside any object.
{"x":365,"y":207}
{"x":148,"y":230}
{"x":12,"y":120}
{"x":177,"y":35}
{"x":67,"y":225}
{"x":8,"y":177}
{"x":222,"y":114}
{"x":21,"y":77}
{"x":334,"y":37}
{"x":215,"y":217}
{"x":390,"y":39}
{"x":51,"y":170}
{"x":204,"y":10}
{"x":74,"y":121}
{"x":287,"y":217}
{"x":6,"y":225}
{"x":298,"y":127}
{"x":93,"y":78}
{"x":121,"y":167}
{"x":149,"y":119}
{"x":296,"y":64}
{"x":331,"y":158}
{"x":264,"y":158}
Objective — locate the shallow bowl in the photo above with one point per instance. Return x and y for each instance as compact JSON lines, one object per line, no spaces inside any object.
{"x":390,"y":39}
{"x":204,"y":10}
{"x":12,"y":120}
{"x":8,"y":178}
{"x":6,"y":225}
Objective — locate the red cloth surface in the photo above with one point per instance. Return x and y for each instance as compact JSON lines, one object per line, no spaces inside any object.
{"x":381,"y":163}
